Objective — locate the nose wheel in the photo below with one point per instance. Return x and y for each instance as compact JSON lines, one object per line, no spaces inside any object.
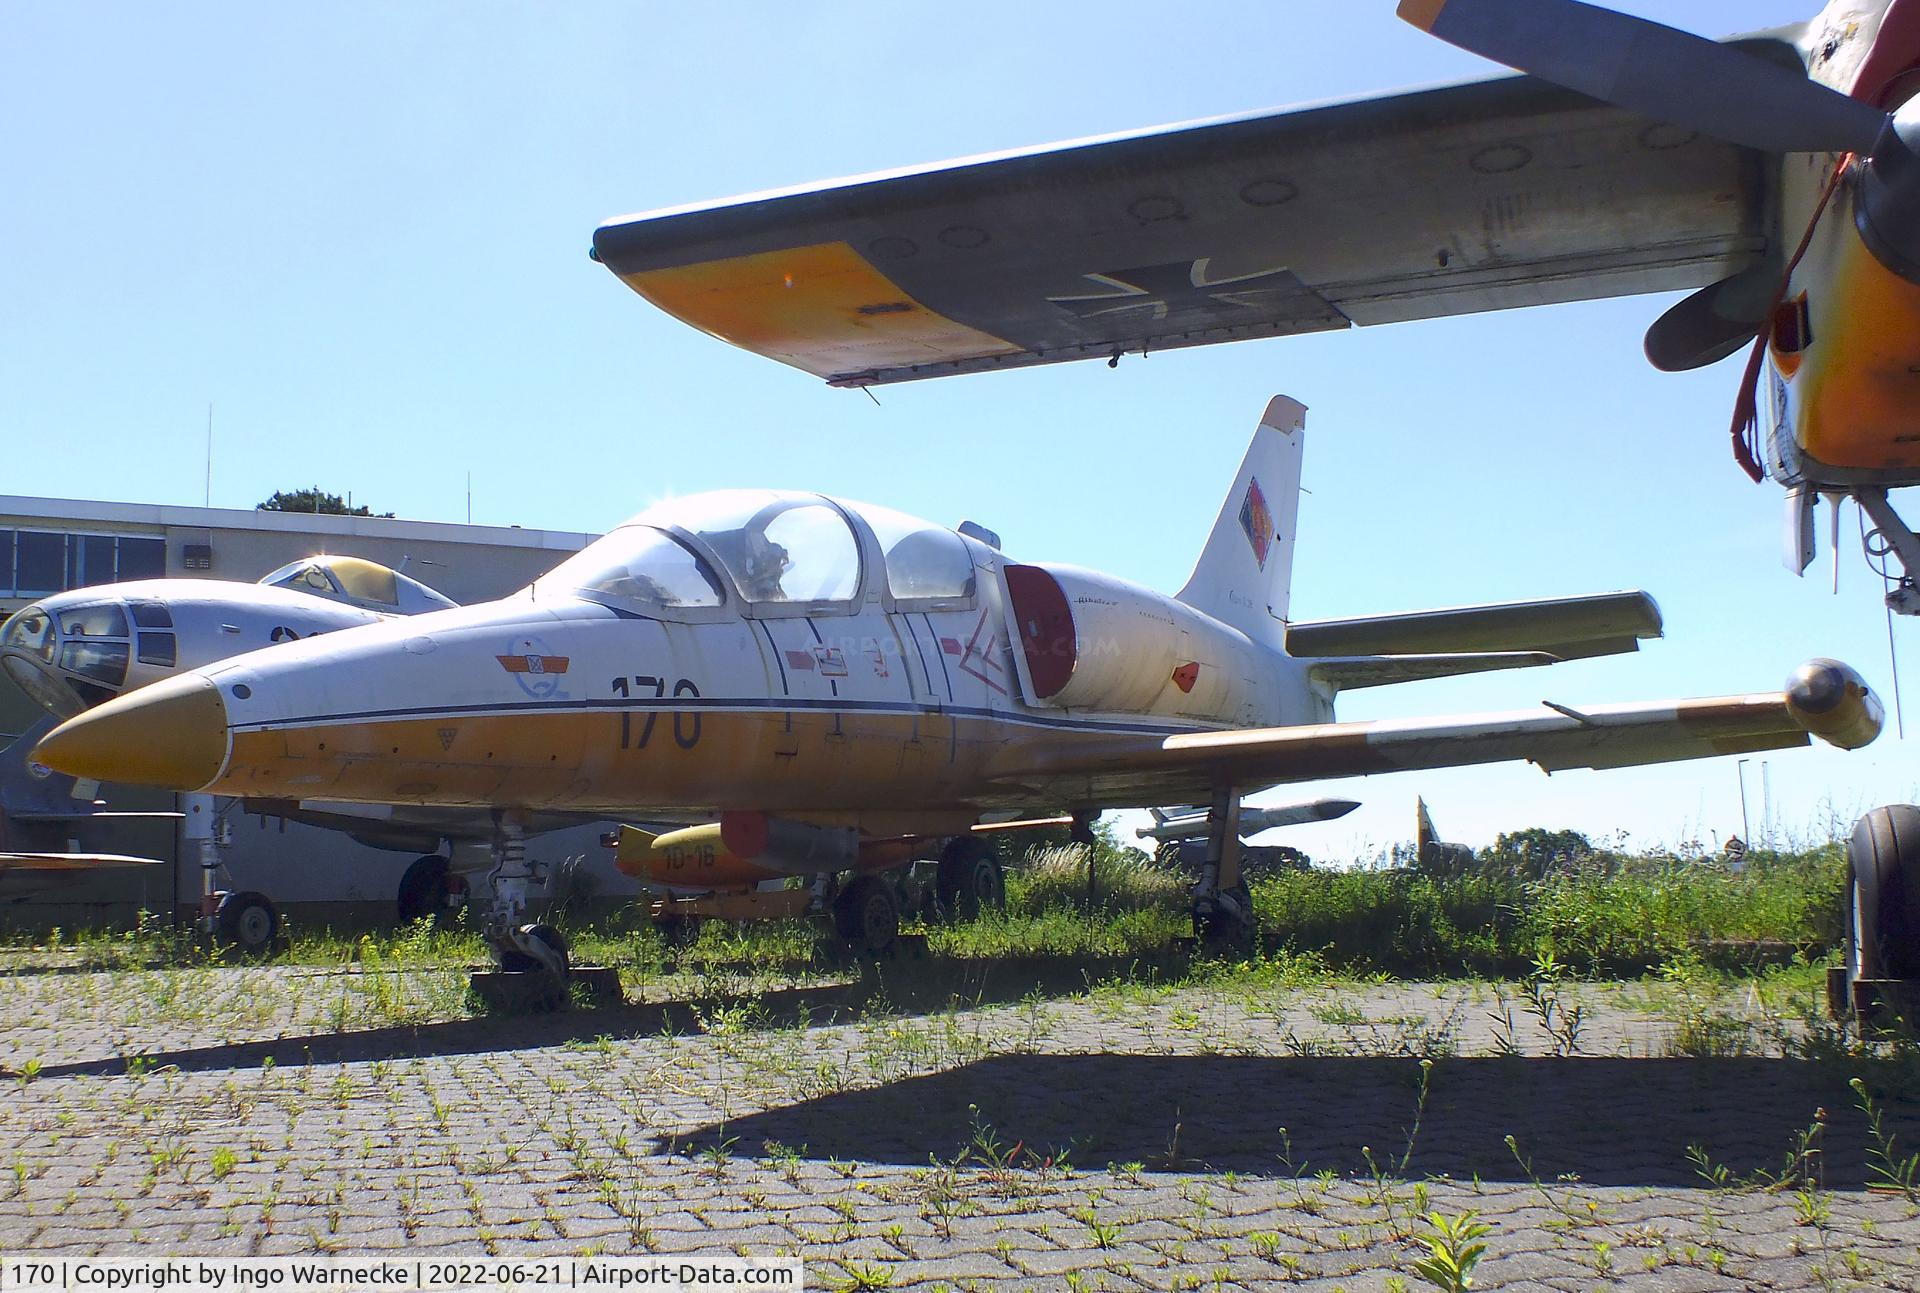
{"x":536,"y":949}
{"x":246,"y":922}
{"x":535,"y":972}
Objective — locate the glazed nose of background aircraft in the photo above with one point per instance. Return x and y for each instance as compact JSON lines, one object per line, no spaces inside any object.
{"x":172,"y":734}
{"x":71,"y":651}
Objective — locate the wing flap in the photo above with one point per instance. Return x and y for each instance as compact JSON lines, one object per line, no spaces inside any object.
{"x":1473,"y":197}
{"x":1354,"y":672}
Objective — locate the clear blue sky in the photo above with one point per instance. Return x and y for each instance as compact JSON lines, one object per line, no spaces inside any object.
{"x":360,"y":231}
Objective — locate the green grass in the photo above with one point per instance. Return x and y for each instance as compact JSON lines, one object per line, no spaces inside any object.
{"x":1607,"y":915}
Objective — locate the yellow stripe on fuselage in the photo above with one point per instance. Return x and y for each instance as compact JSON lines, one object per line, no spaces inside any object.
{"x":772,"y":760}
{"x":824,"y":309}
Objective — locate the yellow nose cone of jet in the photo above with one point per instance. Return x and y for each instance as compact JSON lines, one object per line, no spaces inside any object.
{"x":172,"y":734}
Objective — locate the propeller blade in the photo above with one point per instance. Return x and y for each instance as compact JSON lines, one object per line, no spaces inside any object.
{"x":1714,"y":322}
{"x":1667,"y":74}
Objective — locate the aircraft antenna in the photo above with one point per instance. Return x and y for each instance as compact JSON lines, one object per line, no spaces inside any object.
{"x":1893,"y":665}
{"x":1876,"y":562}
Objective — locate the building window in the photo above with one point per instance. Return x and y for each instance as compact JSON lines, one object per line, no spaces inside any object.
{"x":142,"y":558}
{"x":42,"y":565}
{"x":38,"y":563}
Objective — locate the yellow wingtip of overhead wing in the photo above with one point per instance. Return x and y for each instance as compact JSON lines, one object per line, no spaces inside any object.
{"x":824,"y":309}
{"x":1422,"y":13}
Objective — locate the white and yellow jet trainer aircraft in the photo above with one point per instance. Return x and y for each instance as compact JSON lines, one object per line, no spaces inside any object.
{"x":817,"y":674}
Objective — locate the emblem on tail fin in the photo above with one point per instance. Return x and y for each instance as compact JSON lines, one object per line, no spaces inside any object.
{"x":1257,"y":521}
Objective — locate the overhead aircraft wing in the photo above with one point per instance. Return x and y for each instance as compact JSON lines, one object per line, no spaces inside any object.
{"x":1188,"y":766}
{"x":1455,"y":200}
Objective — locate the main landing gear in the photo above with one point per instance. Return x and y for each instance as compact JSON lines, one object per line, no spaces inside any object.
{"x":1891,"y":537}
{"x":1222,"y":906}
{"x":429,"y":888}
{"x":1882,"y":965}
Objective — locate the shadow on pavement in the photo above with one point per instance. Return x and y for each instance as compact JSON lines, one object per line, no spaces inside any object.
{"x":1611,"y":1121}
{"x":907,"y":986}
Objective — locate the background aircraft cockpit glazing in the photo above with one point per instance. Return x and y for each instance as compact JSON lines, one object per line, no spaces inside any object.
{"x":358,"y":582}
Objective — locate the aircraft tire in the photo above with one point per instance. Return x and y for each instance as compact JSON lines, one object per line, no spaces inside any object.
{"x":867,"y":914}
{"x":970,"y":879}
{"x":1218,"y":929}
{"x":515,"y":961}
{"x":1883,"y":895}
{"x":423,"y":889}
{"x":246,"y":922}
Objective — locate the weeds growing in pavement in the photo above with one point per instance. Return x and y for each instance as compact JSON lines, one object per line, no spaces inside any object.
{"x":1889,"y":1171}
{"x":1454,"y":1246}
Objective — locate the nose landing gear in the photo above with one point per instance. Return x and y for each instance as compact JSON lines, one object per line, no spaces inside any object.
{"x":535,"y":972}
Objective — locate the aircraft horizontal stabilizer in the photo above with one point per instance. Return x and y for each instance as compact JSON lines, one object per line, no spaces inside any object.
{"x":1570,"y":628}
{"x":1350,"y":673}
{"x":1824,"y":698}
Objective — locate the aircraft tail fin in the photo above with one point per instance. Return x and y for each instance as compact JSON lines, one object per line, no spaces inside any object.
{"x":632,"y":849}
{"x":1424,"y":836}
{"x":1245,"y":572}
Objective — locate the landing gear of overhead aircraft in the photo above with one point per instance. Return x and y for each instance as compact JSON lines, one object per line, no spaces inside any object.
{"x":429,"y":888}
{"x":246,"y":922}
{"x":970,"y":880}
{"x":867,"y":913}
{"x":1882,"y":965}
{"x":1890,"y":538}
{"x":1222,"y":905}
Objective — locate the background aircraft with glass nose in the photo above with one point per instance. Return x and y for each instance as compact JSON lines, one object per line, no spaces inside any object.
{"x":837,"y":685}
{"x":77,"y":649}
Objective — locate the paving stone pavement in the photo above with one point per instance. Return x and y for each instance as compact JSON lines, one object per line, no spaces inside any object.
{"x":1123,"y":1139}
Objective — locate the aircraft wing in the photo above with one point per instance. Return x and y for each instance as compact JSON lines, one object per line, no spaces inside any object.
{"x":1186,"y":767}
{"x":70,"y":861}
{"x":1482,"y":196}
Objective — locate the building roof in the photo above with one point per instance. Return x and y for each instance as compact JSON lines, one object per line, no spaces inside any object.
{"x":70,"y":511}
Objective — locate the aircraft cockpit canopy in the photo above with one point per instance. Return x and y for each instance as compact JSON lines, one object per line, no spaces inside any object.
{"x":69,"y":654}
{"x":773,"y":547}
{"x":358,"y":582}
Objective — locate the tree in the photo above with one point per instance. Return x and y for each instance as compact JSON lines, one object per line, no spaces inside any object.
{"x":1536,"y":851}
{"x":314,"y":499}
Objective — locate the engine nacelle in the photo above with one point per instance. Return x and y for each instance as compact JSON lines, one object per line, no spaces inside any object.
{"x":1090,"y":641}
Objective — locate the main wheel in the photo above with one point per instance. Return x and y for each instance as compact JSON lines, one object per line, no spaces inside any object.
{"x":867,"y":913}
{"x":515,"y":961}
{"x":423,"y":889}
{"x":1883,"y":895}
{"x":970,"y":880}
{"x":246,"y":922}
{"x":1226,"y":924}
